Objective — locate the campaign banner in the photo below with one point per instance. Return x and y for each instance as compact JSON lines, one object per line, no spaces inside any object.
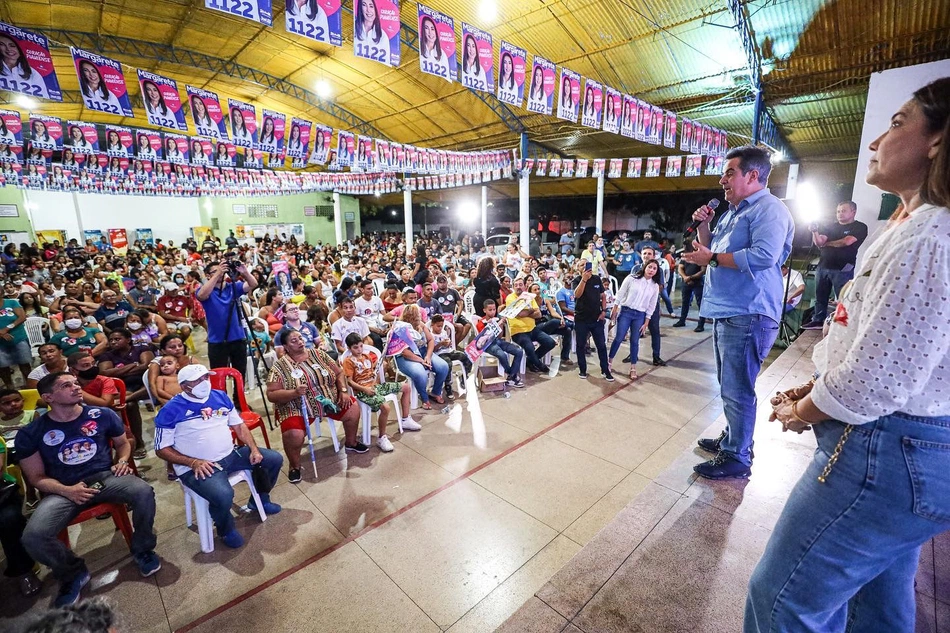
{"x":298,"y":139}
{"x":243,"y":120}
{"x":541,"y":91}
{"x":642,"y":114}
{"x":376,"y":31}
{"x":521,"y":302}
{"x":27,"y":66}
{"x":276,"y":160}
{"x":669,"y":134}
{"x":656,"y":126}
{"x":253,"y":158}
{"x":273,"y":128}
{"x":118,"y":165}
{"x":483,"y":340}
{"x":598,"y":167}
{"x":92,"y":234}
{"x":101,"y":82}
{"x":11,"y":128}
{"x":383,"y":154}
{"x":694,"y":165}
{"x":614,"y":168}
{"x":119,"y":141}
{"x":686,"y":135}
{"x":554,"y":171}
{"x":206,"y":113}
{"x":201,"y":150}
{"x":364,"y":153}
{"x":696,"y":144}
{"x":512,"y":63}
{"x":12,"y":153}
{"x":714,"y":165}
{"x":119,"y":240}
{"x":145,"y":235}
{"x":581,"y":168}
{"x":674,"y":166}
{"x":224,"y":153}
{"x":345,"y":148}
{"x":398,"y":340}
{"x":653,"y":167}
{"x":707,"y":135}
{"x":542,"y":169}
{"x":593,"y":104}
{"x":35,"y":175}
{"x":322,"y":136}
{"x":714,"y":144}
{"x":437,"y":44}
{"x":148,"y":145}
{"x":257,"y":10}
{"x":613,"y":108}
{"x":176,"y":148}
{"x":82,"y":137}
{"x":628,"y":119}
{"x":567,"y":170}
{"x":319,"y":20}
{"x":634,"y":167}
{"x":478,"y":59}
{"x":46,"y":132}
{"x":569,"y":97}
{"x":162,"y":102}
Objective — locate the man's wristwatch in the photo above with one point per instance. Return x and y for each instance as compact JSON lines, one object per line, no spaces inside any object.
{"x":714,"y":260}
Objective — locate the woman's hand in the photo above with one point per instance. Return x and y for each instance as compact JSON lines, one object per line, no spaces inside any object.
{"x":643,"y":328}
{"x":795,"y":393}
{"x":784,"y":412}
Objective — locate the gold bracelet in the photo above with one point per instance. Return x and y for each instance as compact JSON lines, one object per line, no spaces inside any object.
{"x":797,"y":416}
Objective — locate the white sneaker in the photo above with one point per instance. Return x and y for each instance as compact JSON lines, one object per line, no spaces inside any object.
{"x":384,"y":444}
{"x":409,"y":424}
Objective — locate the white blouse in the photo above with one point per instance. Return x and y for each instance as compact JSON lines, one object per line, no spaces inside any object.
{"x":638,"y":294}
{"x":888,"y":346}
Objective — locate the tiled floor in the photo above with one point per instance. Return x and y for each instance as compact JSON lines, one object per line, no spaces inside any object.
{"x":453,"y":531}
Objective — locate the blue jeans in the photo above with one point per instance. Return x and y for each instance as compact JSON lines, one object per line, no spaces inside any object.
{"x":844,"y":553}
{"x":742,"y":343}
{"x":691,"y":291}
{"x":419,"y":375}
{"x":527,"y":340}
{"x":500,"y":348}
{"x":665,"y":296}
{"x":654,"y":329}
{"x":218,"y":491}
{"x":825,"y":280}
{"x":629,"y":320}
{"x":596,"y":332}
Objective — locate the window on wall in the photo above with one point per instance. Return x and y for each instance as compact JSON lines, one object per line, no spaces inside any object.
{"x":325,"y":211}
{"x":262,"y":210}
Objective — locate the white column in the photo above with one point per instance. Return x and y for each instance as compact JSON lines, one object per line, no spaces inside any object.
{"x":407,"y":213}
{"x":484,"y":211}
{"x":523,"y":220}
{"x":337,"y":218}
{"x":599,"y":221}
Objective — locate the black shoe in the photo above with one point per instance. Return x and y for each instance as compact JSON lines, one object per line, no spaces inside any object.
{"x":626,"y":359}
{"x":294,"y":475}
{"x":359,"y":447}
{"x":608,"y":376}
{"x":712,"y":444}
{"x":814,"y":325}
{"x":723,"y":467}
{"x":699,"y":328}
{"x":659,"y":362}
{"x":582,"y":375}
{"x":543,"y":368}
{"x":533,"y":369}
{"x":680,"y":324}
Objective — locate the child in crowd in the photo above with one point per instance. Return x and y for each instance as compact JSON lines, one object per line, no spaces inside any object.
{"x":140,"y":335}
{"x":166,"y":384}
{"x":500,"y":348}
{"x":360,"y":371}
{"x":443,"y":347}
{"x":13,"y":416}
{"x":259,"y":332}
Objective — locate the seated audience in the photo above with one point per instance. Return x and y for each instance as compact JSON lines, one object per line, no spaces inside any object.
{"x":416,"y":363}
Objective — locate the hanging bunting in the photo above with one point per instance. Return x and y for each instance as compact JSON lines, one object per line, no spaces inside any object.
{"x":119,"y":141}
{"x":598,"y":167}
{"x":628,"y":123}
{"x":256,"y":10}
{"x":206,"y":113}
{"x":686,"y":135}
{"x":319,"y":20}
{"x":512,"y":63}
{"x":271,"y":137}
{"x":674,"y":166}
{"x":376,"y":31}
{"x":345,"y":148}
{"x":613,"y":107}
{"x":81,"y":137}
{"x":694,"y":164}
{"x":243,"y":121}
{"x":148,"y":145}
{"x":593,"y":104}
{"x":102,"y":83}
{"x":696,"y":145}
{"x":202,"y":150}
{"x":541,"y":91}
{"x":31,"y":72}
{"x":11,"y":128}
{"x":478,"y":59}
{"x":614,"y":167}
{"x":162,"y":102}
{"x":568,"y":103}
{"x":669,"y":135}
{"x":437,"y":44}
{"x":582,"y":167}
{"x":224,"y":153}
{"x":298,"y":140}
{"x":653,"y":167}
{"x":634,"y":167}
{"x":176,"y":148}
{"x":322,"y":137}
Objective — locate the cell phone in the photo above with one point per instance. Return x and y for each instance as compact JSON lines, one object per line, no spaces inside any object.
{"x":589,"y":266}
{"x":96,"y":485}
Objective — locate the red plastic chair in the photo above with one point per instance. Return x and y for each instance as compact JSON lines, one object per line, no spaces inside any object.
{"x":252,"y":420}
{"x":120,"y":517}
{"x":120,"y":409}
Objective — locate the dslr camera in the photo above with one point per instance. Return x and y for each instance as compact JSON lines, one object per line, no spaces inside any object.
{"x":232,"y":263}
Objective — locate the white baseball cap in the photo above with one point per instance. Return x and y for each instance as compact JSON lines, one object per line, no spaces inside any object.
{"x":190,"y":373}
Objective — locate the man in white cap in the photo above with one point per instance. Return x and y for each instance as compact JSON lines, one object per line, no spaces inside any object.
{"x":193,"y":432}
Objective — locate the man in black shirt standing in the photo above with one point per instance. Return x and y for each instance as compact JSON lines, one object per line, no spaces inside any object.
{"x":590,"y":315}
{"x":694,"y":277}
{"x":839,"y":244}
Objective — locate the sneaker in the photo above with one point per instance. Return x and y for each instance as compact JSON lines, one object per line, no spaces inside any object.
{"x":543,"y":368}
{"x":408,"y":424}
{"x":233,"y":539}
{"x":700,"y":328}
{"x":626,"y":359}
{"x":359,"y":447}
{"x":69,"y":591}
{"x":30,"y":584}
{"x":723,"y":467}
{"x":449,"y":394}
{"x":659,"y":362}
{"x":269,"y":507}
{"x":680,"y":324}
{"x":712,"y":444}
{"x":294,"y":475}
{"x":149,"y":563}
{"x":384,"y":444}
{"x":515,"y":382}
{"x":813,"y":325}
{"x":582,"y":375}
{"x":140,"y":454}
{"x":609,"y":377}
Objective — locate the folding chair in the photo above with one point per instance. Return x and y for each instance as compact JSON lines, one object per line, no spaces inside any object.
{"x":219,"y":380}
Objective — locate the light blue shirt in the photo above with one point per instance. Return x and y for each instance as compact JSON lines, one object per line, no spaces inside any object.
{"x":758,"y":234}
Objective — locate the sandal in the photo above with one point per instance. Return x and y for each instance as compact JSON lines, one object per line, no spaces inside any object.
{"x":633,"y":374}
{"x":427,"y":406}
{"x":438,"y":399}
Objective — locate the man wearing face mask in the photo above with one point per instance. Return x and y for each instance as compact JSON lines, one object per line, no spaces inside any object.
{"x":193,"y":432}
{"x":97,"y":391}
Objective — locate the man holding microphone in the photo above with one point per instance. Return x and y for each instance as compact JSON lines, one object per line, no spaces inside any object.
{"x":743,"y":297}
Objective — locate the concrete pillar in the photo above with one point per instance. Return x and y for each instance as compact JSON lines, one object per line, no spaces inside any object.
{"x":484,"y":211}
{"x":523,"y":219}
{"x":599,"y":220}
{"x":337,"y":218}
{"x":407,"y":213}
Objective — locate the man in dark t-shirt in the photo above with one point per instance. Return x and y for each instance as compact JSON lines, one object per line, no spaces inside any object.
{"x":590,"y":317}
{"x":839,"y":244}
{"x":67,"y":455}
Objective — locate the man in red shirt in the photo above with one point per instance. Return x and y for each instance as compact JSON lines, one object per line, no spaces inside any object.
{"x":174,"y":307}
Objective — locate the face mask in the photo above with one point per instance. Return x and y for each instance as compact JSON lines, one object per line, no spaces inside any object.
{"x":134,"y":326}
{"x":73,"y":324}
{"x":201,"y":390}
{"x":88,"y":374}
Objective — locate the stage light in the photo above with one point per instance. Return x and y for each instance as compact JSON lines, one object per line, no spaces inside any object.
{"x":808,"y":203}
{"x":25,"y":102}
{"x":323,"y":88}
{"x":487,"y":11}
{"x":393,"y":213}
{"x":468,"y":212}
{"x":777,"y":157}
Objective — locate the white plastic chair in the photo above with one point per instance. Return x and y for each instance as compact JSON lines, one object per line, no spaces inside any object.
{"x":366,"y":412}
{"x":34,"y":332}
{"x":468,"y":301}
{"x":461,"y":385}
{"x":203,"y":515}
{"x":379,"y":286}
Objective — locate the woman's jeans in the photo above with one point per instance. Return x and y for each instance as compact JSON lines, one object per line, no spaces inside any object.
{"x":844,"y":553}
{"x":629,"y":320}
{"x":419,"y":375}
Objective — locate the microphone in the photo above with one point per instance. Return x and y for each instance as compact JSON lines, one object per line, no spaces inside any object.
{"x":712,"y":204}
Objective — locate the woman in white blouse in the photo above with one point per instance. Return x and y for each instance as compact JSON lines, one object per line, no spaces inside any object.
{"x":847,"y":545}
{"x":633,"y":307}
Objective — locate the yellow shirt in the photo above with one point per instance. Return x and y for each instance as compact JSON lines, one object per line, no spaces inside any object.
{"x":524,"y":324}
{"x":594,"y":257}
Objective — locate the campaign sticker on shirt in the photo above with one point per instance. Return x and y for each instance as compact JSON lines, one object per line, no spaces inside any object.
{"x":297,"y":374}
{"x":89,"y":428}
{"x":54,"y":437}
{"x":78,"y":451}
{"x":94,"y":414}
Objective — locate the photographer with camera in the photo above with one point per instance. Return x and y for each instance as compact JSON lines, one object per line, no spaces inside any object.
{"x":227,"y":280}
